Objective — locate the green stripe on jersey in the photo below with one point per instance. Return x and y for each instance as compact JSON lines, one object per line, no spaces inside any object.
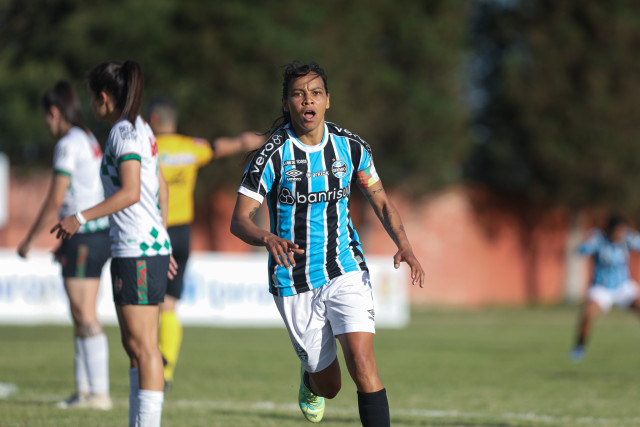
{"x":131,"y":156}
{"x":61,"y":172}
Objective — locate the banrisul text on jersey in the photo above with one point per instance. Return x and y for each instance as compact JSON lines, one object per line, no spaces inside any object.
{"x":307,"y":189}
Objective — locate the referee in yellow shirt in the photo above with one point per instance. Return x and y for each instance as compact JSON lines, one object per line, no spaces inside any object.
{"x":180,"y":158}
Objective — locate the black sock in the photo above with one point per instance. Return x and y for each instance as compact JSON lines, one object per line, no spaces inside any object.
{"x":374,"y":409}
{"x":581,"y":341}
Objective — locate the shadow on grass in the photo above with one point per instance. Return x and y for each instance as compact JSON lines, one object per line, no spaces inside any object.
{"x":279,"y":418}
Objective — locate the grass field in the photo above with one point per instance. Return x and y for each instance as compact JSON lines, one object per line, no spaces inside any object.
{"x":494,"y":367}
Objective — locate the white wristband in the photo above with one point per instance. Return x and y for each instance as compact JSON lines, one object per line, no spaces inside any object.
{"x":81,"y":219}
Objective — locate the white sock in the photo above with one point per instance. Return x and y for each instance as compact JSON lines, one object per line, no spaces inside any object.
{"x":150,"y":411}
{"x":80,"y":367}
{"x":96,"y":352}
{"x":134,"y":388}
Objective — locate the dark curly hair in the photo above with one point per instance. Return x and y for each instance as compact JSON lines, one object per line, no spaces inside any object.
{"x":291,"y":72}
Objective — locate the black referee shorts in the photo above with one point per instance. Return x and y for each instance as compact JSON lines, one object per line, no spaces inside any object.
{"x":180,"y":241}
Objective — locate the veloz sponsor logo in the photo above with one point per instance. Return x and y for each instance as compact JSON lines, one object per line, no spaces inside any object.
{"x":261,"y":157}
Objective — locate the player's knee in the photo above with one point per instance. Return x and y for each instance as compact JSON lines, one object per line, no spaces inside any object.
{"x":141,"y":350}
{"x":87,"y":330}
{"x":80,"y":315}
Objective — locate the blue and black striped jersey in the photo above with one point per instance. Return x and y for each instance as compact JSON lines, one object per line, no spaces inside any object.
{"x":307,"y":190}
{"x":611,"y":259}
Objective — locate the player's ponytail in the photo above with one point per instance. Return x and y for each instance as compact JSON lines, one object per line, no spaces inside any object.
{"x":64,"y":98}
{"x":135,"y":85}
{"x":124,"y":82}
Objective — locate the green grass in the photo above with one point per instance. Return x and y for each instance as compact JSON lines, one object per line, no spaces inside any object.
{"x":494,"y":367}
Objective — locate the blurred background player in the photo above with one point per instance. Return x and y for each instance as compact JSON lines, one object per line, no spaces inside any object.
{"x":180,"y":158}
{"x":136,"y":202}
{"x":612,"y":283}
{"x":76,"y":186}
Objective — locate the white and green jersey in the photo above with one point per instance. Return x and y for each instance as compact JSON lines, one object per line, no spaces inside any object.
{"x":136,"y":230}
{"x":78,"y":155}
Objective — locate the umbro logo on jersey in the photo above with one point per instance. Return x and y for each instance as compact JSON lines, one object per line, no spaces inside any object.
{"x":294,"y":174}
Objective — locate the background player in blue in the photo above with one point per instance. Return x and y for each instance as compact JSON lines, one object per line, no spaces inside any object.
{"x":611,"y":282}
{"x":317,"y":271}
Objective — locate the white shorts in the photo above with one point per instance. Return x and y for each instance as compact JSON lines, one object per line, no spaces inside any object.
{"x":316,"y":317}
{"x":622,"y":296}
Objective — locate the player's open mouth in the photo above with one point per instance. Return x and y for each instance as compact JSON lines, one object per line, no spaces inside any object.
{"x":309,"y":115}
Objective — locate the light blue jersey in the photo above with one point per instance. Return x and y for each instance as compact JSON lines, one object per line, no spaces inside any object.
{"x":307,"y":190}
{"x":611,"y":259}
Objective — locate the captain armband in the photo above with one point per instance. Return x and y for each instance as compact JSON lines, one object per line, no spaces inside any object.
{"x":368,"y":177}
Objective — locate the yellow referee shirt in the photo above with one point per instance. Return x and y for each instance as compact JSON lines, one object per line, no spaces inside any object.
{"x":180,"y":158}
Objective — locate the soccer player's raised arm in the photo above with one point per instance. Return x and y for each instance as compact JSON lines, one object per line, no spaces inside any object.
{"x":390,"y":219}
{"x":225,"y":146}
{"x":244,"y":227}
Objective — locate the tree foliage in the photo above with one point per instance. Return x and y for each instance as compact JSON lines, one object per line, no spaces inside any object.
{"x":556,"y":94}
{"x":393,"y":70}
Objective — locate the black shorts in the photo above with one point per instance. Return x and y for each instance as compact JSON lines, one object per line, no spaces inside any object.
{"x":180,"y":241}
{"x":84,"y":254}
{"x":139,"y":281}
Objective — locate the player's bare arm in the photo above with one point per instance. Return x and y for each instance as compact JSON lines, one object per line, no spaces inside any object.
{"x":128,"y":194}
{"x":225,"y":146}
{"x":244,"y":227}
{"x":49,"y":211}
{"x":392,"y":223}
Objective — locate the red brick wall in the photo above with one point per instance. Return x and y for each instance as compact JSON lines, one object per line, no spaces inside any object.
{"x":472,"y":247}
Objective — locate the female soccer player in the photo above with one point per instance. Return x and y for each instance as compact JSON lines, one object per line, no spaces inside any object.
{"x":136,"y":200}
{"x":317,"y":271}
{"x":611,"y":284}
{"x":76,"y":186}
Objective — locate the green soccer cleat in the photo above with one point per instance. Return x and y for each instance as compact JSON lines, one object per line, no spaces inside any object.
{"x":311,"y":405}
